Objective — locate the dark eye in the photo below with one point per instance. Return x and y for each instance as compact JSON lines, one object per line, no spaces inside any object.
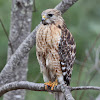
{"x":50,"y":15}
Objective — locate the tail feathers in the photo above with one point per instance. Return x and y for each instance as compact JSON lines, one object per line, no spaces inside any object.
{"x":59,"y":96}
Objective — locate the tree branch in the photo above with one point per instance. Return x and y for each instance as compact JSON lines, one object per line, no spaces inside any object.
{"x":20,"y":53}
{"x":65,"y":5}
{"x":66,"y":90}
{"x":83,"y":64}
{"x":85,"y":88}
{"x":40,"y":87}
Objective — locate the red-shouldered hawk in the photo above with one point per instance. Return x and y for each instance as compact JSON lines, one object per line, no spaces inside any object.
{"x":55,"y":48}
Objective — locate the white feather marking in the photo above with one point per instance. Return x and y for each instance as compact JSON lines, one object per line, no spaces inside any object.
{"x":64,"y":73}
{"x":62,"y":63}
{"x":47,"y":62}
{"x":63,"y":68}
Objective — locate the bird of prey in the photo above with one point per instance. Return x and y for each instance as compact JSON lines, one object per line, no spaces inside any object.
{"x":55,"y":49}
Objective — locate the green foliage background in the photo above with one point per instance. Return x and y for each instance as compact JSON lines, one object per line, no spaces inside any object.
{"x":83,"y":20}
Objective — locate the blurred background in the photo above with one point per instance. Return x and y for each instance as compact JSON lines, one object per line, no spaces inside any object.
{"x":83,"y":21}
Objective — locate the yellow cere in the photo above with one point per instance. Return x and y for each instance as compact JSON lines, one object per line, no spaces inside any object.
{"x":43,"y":16}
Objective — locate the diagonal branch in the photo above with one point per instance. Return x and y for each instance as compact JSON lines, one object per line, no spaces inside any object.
{"x":65,"y":5}
{"x":90,"y":50}
{"x":40,"y":87}
{"x":83,"y":64}
{"x":20,"y":53}
{"x":66,"y":90}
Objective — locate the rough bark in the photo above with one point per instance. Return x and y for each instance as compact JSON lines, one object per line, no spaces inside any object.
{"x":21,"y":17}
{"x":98,"y":97}
{"x":15,"y":59}
{"x":67,"y":93}
{"x":65,"y":4}
{"x":40,"y":87}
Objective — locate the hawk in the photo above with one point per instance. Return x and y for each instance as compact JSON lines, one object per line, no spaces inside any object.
{"x":55,"y":49}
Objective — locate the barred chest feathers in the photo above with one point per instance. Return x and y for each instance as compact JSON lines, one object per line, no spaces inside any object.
{"x":56,"y":51}
{"x":48,"y":37}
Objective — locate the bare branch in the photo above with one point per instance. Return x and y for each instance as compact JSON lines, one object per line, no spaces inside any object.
{"x":97,"y":60}
{"x":84,"y":62}
{"x":88,"y":83}
{"x":90,"y":50}
{"x":6,"y":33}
{"x":67,"y":92}
{"x":65,"y":4}
{"x":20,"y":53}
{"x":40,"y":87}
{"x":85,"y":88}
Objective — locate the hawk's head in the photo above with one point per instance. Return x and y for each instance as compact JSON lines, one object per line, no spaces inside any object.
{"x":50,"y":16}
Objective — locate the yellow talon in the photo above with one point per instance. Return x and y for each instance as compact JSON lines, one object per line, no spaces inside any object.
{"x":48,"y":84}
{"x":55,"y":83}
{"x":52,"y":85}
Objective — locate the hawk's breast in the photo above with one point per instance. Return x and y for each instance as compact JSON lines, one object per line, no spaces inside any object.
{"x":48,"y":37}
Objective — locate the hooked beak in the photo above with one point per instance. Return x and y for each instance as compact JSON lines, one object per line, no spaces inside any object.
{"x":43,"y":20}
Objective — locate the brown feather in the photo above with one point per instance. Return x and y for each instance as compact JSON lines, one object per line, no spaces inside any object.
{"x":67,"y":53}
{"x":55,"y":48}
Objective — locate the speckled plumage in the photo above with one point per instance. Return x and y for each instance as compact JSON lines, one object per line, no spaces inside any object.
{"x":55,"y":48}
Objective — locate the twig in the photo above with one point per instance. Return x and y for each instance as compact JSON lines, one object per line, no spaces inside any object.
{"x":96,"y":65}
{"x":85,"y":88}
{"x":39,"y":87}
{"x":19,"y":54}
{"x":81,"y":68}
{"x":88,"y":83}
{"x":34,"y":6}
{"x":90,"y":50}
{"x":6,"y":33}
{"x":92,"y":76}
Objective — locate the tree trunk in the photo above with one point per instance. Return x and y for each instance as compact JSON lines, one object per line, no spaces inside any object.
{"x":21,"y":17}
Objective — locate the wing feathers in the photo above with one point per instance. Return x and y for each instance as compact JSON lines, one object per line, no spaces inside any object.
{"x":67,"y":51}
